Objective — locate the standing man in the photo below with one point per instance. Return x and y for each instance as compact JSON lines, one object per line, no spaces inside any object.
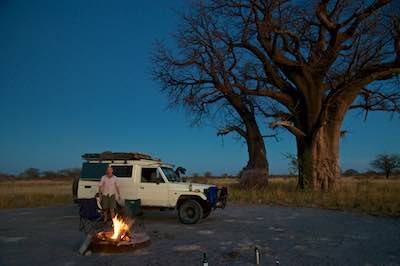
{"x":108,"y":190}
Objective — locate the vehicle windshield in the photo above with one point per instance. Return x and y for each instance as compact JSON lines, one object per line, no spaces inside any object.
{"x":170,"y":174}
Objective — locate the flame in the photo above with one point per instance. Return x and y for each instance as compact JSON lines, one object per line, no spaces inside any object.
{"x":119,"y":226}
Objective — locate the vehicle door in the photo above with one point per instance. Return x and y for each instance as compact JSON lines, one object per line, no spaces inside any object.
{"x":153,"y":188}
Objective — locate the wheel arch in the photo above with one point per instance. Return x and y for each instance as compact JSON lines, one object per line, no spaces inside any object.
{"x":204,"y":204}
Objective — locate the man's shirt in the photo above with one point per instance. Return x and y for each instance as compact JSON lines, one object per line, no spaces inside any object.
{"x":108,"y":185}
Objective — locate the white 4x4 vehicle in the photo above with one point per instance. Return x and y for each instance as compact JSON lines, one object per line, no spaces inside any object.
{"x":155,"y":183}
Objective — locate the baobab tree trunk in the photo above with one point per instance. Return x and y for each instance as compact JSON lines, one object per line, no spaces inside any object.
{"x":318,"y":157}
{"x":256,"y":171}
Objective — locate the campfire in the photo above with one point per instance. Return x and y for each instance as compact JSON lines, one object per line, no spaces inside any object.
{"x":120,"y":239}
{"x":121,"y":229}
{"x":121,"y":232}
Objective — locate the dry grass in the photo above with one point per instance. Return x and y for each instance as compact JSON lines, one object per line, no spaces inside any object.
{"x":38,"y":193}
{"x":373,"y":196}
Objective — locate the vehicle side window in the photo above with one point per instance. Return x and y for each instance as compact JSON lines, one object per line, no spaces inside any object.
{"x":93,"y":171}
{"x":151,"y":175}
{"x":122,"y":170}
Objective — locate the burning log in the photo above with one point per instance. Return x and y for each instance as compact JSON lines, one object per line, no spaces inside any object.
{"x":121,"y":228}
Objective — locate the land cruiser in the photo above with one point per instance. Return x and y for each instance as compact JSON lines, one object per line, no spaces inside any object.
{"x":152,"y":181}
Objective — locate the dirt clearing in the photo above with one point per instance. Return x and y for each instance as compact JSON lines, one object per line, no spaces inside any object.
{"x":295,"y":236}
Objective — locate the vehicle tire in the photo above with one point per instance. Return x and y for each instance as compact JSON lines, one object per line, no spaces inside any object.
{"x":190,"y":212}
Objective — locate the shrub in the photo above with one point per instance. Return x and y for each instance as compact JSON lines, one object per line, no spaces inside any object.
{"x":350,"y":172}
{"x":207,"y":174}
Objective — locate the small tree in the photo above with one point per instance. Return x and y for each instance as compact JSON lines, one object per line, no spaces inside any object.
{"x":386,"y":163}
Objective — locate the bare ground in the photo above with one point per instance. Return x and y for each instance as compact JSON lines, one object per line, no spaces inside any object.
{"x":294,"y":236}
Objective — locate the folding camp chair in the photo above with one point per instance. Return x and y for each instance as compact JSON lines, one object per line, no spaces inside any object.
{"x":90,"y":217}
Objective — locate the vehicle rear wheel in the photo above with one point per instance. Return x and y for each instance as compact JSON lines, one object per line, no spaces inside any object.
{"x":190,"y":212}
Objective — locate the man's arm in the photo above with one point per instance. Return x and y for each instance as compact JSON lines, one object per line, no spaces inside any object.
{"x":117,"y":188}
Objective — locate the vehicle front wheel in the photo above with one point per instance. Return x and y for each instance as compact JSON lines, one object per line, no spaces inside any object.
{"x":190,"y":212}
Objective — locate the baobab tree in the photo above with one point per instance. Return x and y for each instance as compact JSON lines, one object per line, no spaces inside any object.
{"x":193,"y":77}
{"x":318,"y":60}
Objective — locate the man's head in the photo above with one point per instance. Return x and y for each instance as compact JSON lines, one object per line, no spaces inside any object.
{"x":109,"y":171}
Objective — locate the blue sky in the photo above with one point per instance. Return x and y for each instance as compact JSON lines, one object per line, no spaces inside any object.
{"x":74,"y":78}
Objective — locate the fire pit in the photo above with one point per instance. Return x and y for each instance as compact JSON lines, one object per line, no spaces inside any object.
{"x":103,"y":244}
{"x":120,"y":239}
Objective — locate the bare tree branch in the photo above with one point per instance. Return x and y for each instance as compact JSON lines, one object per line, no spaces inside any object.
{"x":289,"y":126}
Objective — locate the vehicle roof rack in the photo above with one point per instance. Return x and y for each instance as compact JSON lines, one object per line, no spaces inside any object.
{"x":107,"y":155}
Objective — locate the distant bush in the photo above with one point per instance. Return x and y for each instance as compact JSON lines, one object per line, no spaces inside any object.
{"x":30,"y":173}
{"x":207,"y":174}
{"x":34,"y":173}
{"x":62,"y":174}
{"x":4,"y":177}
{"x":350,"y":172}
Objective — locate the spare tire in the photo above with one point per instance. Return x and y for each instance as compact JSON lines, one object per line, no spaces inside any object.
{"x":75,"y":184}
{"x":190,"y":212}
